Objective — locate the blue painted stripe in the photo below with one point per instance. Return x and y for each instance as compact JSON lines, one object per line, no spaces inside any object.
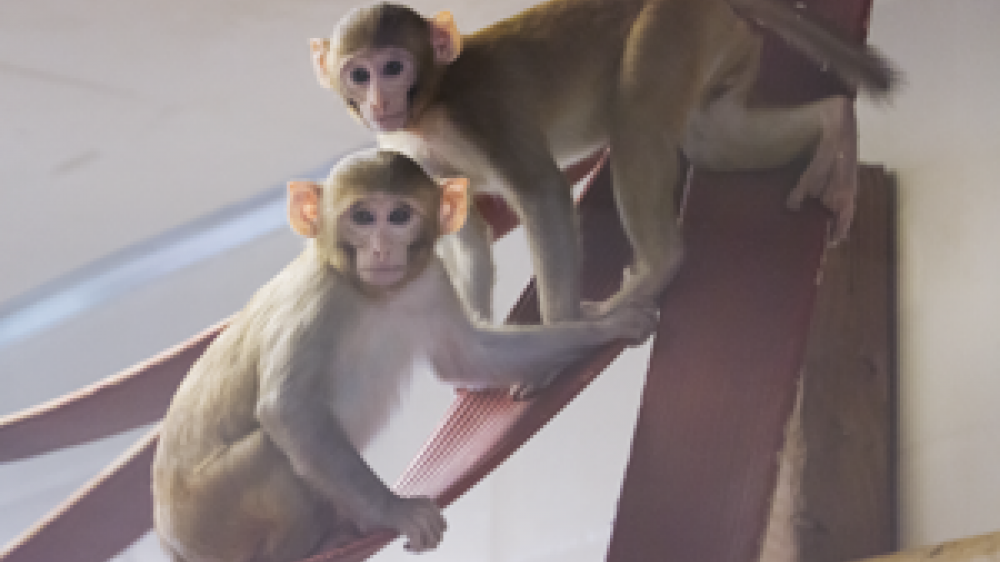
{"x":188,"y":247}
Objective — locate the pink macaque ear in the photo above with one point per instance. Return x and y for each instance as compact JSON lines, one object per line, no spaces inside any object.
{"x":303,"y":207}
{"x":454,"y":204}
{"x":320,"y":53}
{"x":445,"y":38}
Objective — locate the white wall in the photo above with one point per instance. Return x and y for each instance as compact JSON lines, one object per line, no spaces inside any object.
{"x":942,"y":135}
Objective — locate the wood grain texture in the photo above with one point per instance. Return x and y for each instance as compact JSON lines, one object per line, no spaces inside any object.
{"x":981,"y":548}
{"x":835,"y":499}
{"x":848,"y":400}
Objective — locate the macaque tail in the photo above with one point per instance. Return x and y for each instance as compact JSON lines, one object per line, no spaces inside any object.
{"x":859,"y":65}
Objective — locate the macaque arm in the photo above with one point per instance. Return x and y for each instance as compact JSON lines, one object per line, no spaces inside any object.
{"x":292,"y":413}
{"x":502,"y":356}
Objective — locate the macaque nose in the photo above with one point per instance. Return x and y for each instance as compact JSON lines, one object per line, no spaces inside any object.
{"x":376,"y":99}
{"x":380,"y":245}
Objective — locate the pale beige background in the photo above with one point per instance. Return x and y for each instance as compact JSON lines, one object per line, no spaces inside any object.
{"x":124,"y":120}
{"x":942,"y":134}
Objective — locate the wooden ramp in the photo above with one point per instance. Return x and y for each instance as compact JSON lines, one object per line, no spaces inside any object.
{"x":720,"y":388}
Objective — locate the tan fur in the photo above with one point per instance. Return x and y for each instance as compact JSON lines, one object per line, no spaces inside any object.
{"x":259,"y":459}
{"x":651,"y":78}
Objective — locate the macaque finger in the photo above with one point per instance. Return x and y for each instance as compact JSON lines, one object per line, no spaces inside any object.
{"x":795,"y":199}
{"x":527,"y":391}
{"x":651,"y":321}
{"x":593,"y":310}
{"x":522,"y":392}
{"x":841,"y":202}
{"x":813,"y":180}
{"x":422,"y":538}
{"x":430,"y":534}
{"x":841,"y":197}
{"x":435,"y":526}
{"x":841,"y":224}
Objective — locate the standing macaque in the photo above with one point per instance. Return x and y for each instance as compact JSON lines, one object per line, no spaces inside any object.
{"x":259,"y":457}
{"x":508,"y":105}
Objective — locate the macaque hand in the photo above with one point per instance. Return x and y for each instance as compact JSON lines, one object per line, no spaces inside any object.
{"x":633,"y":322}
{"x":418,"y":519}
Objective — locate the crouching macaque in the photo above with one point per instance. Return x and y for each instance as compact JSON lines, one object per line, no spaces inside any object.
{"x":508,"y":105}
{"x":259,"y":457}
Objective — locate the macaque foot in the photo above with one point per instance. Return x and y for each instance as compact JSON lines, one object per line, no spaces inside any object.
{"x":832,"y":175}
{"x":418,"y":519}
{"x":636,"y":290}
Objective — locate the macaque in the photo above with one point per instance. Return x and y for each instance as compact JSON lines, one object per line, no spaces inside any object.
{"x":258,"y":459}
{"x":508,"y":105}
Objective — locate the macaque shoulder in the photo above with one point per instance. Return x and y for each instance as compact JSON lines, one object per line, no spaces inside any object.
{"x":443,"y":148}
{"x":293,"y":298}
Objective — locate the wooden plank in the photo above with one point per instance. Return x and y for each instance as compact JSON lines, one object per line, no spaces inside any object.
{"x":982,"y":548}
{"x":722,"y":375}
{"x":836,"y":494}
{"x":848,"y":412}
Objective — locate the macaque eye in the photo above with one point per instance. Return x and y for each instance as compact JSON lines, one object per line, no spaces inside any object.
{"x":393,"y":68}
{"x":360,"y":76}
{"x":362,"y":217}
{"x":401,"y":215}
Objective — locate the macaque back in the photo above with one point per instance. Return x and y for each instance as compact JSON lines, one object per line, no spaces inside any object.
{"x":511,"y":104}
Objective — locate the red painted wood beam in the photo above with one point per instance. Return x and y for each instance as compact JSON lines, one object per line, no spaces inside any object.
{"x":135,"y":397}
{"x":97,"y":522}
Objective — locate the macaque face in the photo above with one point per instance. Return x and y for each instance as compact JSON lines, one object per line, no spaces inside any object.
{"x":378,"y":82}
{"x":381,"y":228}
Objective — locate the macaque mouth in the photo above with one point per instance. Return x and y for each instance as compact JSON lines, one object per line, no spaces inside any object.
{"x":398,"y":115}
{"x":394,"y":120}
{"x":384,"y":269}
{"x":383,"y":274}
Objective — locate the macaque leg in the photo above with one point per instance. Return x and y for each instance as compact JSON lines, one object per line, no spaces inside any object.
{"x":644,"y":187}
{"x":251,"y":507}
{"x":655,"y":93}
{"x":545,"y":207}
{"x":469,"y":261}
{"x":729,"y":135}
{"x":550,"y":222}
